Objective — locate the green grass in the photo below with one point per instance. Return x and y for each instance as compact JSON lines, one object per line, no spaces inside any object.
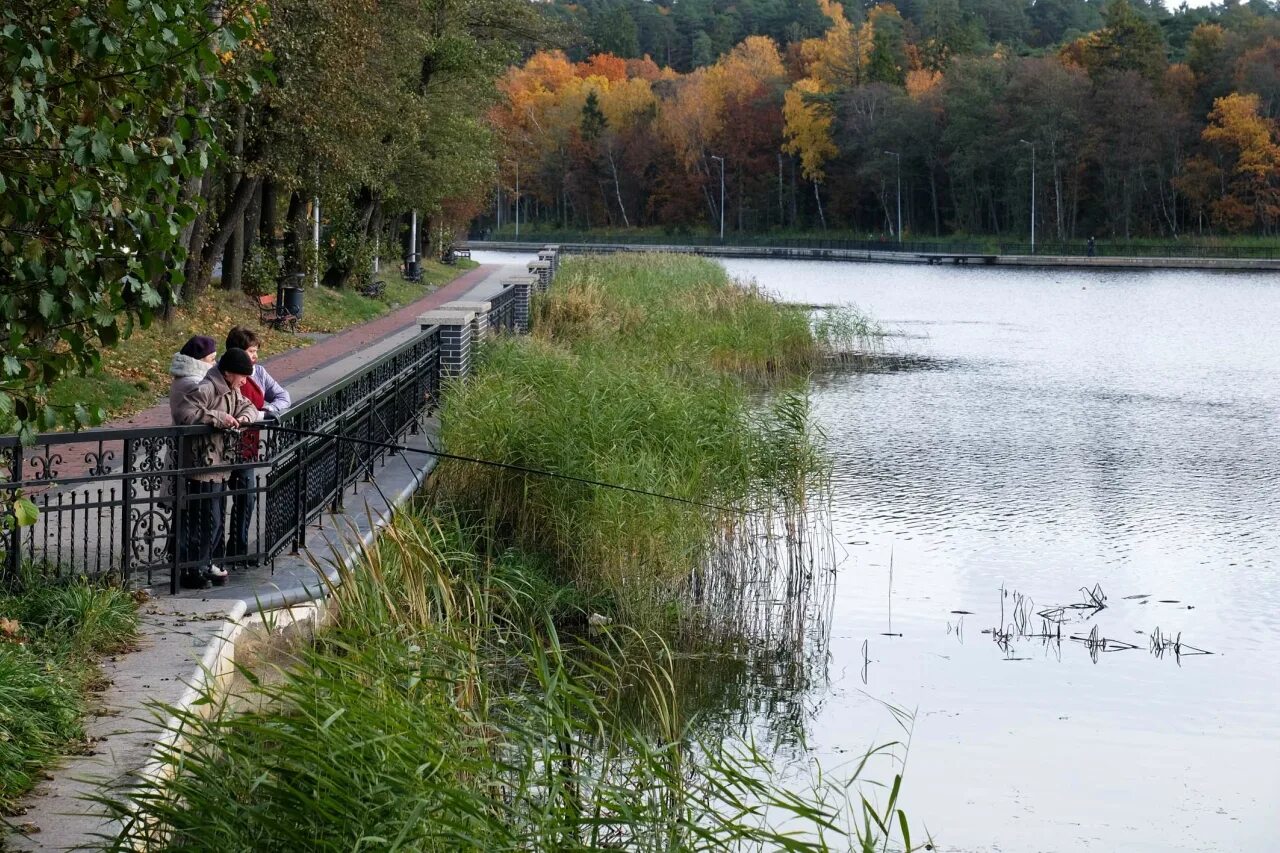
{"x":50,"y":636}
{"x":642,"y":371}
{"x":432,"y":716}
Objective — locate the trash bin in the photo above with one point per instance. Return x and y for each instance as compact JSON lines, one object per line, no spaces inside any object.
{"x":291,"y":299}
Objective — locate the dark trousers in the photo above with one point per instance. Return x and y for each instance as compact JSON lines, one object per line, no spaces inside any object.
{"x":241,"y":520}
{"x":201,"y":525}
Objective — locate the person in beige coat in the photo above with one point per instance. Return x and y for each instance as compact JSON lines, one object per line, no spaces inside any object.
{"x":216,"y":401}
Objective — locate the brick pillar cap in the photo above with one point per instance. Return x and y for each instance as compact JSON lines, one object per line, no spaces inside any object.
{"x":446,"y":317}
{"x":477,"y":306}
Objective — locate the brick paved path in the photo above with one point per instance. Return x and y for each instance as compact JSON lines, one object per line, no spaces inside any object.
{"x":289,"y":366}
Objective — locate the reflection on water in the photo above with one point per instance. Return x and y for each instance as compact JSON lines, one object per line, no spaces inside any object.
{"x":1042,"y":436}
{"x":1037,"y":443}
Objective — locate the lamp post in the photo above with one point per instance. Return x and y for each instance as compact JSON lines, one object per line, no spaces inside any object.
{"x":517,"y":200}
{"x":898,"y":160}
{"x":315,"y":240}
{"x":1032,"y":146}
{"x":721,"y":159}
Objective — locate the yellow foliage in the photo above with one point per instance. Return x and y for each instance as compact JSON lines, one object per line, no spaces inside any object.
{"x":807,"y":128}
{"x":922,"y":81}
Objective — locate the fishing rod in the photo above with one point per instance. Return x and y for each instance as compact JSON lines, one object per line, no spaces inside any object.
{"x":440,"y":454}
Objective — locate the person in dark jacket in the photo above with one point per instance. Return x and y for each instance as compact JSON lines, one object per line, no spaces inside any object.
{"x":215,"y":402}
{"x":271,"y":399}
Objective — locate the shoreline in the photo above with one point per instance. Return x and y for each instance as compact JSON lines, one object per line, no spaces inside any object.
{"x":942,"y":258}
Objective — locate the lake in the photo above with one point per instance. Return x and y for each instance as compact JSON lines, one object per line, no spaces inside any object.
{"x":1041,"y":442}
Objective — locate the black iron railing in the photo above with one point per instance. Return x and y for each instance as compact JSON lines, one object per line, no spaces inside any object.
{"x":502,"y":311}
{"x":114,"y":502}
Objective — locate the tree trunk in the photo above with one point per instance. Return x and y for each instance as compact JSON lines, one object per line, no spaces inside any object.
{"x":196,"y":280}
{"x":617,"y":190}
{"x":933,"y":197}
{"x":296,"y":223}
{"x":822,"y":216}
{"x":232,"y":216}
{"x":269,"y":215}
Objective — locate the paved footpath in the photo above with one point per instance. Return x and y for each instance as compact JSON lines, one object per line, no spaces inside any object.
{"x":289,"y":366}
{"x":176,"y":629}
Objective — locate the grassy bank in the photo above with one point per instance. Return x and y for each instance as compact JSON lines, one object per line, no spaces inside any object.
{"x":50,"y":638}
{"x":641,"y":371}
{"x":135,"y":374}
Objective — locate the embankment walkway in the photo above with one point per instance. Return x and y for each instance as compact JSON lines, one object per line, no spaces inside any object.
{"x":797,"y":253}
{"x":180,"y":632}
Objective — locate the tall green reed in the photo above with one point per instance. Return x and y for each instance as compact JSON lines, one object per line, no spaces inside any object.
{"x":643,"y":371}
{"x":431,"y":716}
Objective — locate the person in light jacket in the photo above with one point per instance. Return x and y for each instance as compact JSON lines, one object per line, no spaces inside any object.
{"x":272,"y":400}
{"x":188,"y":368}
{"x":218,"y":403}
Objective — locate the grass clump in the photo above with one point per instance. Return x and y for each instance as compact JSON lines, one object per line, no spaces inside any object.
{"x":50,"y":635}
{"x":642,"y":371}
{"x":430,"y":716}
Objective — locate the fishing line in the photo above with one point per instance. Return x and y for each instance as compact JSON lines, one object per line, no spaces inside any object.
{"x":439,"y":454}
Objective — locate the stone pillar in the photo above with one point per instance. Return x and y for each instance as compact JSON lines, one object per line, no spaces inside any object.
{"x":455,"y":338}
{"x":480,"y":328}
{"x":541,"y":269}
{"x":550,"y":256}
{"x":523,"y":286}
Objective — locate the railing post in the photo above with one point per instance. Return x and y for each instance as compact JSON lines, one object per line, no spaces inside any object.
{"x":126,"y":508}
{"x":455,"y":338}
{"x":481,"y":326}
{"x":13,"y":559}
{"x":300,"y":504}
{"x":541,"y":269}
{"x":179,"y":511}
{"x":522,"y":285}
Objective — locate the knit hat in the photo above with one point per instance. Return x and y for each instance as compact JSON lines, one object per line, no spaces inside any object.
{"x":199,"y":346}
{"x":236,"y":360}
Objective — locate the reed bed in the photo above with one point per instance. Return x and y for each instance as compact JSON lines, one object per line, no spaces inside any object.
{"x":647,"y":372}
{"x":434,"y":716}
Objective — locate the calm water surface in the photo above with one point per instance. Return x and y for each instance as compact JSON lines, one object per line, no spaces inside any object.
{"x":1051,"y":431}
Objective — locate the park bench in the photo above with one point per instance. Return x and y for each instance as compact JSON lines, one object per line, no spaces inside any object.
{"x":372,"y":289}
{"x":451,"y":255}
{"x":276,"y":316}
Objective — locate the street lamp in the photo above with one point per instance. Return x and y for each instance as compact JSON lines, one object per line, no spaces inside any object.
{"x":898,"y":157}
{"x":721,"y":159}
{"x":1032,"y":146}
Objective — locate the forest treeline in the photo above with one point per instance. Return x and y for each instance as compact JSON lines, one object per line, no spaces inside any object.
{"x":145,"y":144}
{"x":1139,"y":122}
